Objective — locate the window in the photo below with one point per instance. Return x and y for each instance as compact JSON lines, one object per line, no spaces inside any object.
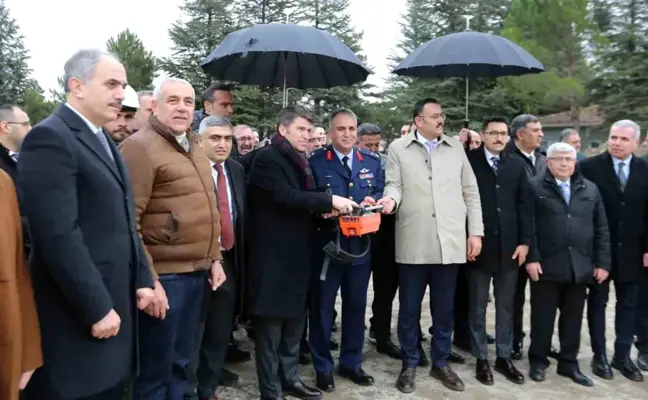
{"x":594,"y":144}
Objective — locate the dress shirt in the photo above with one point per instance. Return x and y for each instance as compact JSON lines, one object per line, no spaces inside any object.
{"x":229,"y":186}
{"x":626,"y":167}
{"x":93,"y":127}
{"x":424,"y":141}
{"x":341,"y":156}
{"x":490,"y":156}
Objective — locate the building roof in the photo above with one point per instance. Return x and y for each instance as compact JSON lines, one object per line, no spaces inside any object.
{"x":589,"y":116}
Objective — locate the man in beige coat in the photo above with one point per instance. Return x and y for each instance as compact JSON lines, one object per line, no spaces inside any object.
{"x":432,"y":188}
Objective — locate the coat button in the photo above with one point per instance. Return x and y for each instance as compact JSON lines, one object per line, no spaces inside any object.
{"x":568,"y":247}
{"x":350,"y":184}
{"x":429,"y":178}
{"x":499,"y":209}
{"x":350,"y":197}
{"x":620,"y":244}
{"x":433,"y":215}
{"x":497,"y":186}
{"x":568,"y":215}
{"x":623,"y":203}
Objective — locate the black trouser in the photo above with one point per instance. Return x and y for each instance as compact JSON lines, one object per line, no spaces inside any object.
{"x":40,"y":387}
{"x":462,"y":308}
{"x":546,"y":298}
{"x":642,"y":314}
{"x":518,"y":306}
{"x":277,"y":353}
{"x":385,"y":279}
{"x":216,"y":335}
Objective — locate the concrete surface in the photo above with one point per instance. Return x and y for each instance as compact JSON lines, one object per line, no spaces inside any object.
{"x":385,"y":371}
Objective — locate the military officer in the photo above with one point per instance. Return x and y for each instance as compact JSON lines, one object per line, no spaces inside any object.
{"x":342,"y":169}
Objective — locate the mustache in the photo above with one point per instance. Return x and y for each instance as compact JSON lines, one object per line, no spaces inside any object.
{"x":116,"y":104}
{"x":498,"y":142}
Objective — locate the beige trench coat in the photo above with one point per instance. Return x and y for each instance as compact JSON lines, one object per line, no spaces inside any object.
{"x":434,"y":196}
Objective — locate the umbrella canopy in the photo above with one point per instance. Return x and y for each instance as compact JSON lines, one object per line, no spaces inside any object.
{"x":468,"y":55}
{"x":285,"y":55}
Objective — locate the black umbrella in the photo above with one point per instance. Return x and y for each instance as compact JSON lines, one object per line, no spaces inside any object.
{"x":287,"y":56}
{"x":468,"y":55}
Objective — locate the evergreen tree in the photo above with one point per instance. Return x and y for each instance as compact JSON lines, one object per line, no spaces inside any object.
{"x":251,"y":12}
{"x":140,"y":63}
{"x":14,"y":71}
{"x":35,"y":104}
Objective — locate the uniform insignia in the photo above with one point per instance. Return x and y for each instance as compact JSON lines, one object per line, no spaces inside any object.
{"x":360,"y":156}
{"x":364,"y":170}
{"x":366,"y":176}
{"x":329,"y":155}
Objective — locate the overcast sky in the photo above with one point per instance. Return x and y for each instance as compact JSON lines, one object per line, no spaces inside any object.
{"x":55,"y":29}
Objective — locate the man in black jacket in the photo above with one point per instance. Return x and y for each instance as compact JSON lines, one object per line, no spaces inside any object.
{"x":507,"y":209}
{"x":570,"y":249}
{"x":621,"y":179}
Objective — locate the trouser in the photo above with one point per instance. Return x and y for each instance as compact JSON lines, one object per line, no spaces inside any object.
{"x":546,"y":298}
{"x":41,"y":388}
{"x":385,"y":280}
{"x":353,"y":281}
{"x":413,"y":280}
{"x":462,"y":306}
{"x":504,"y":282}
{"x":277,"y":353}
{"x":625,"y":318}
{"x":166,"y":345}
{"x":642,"y":314}
{"x":518,"y":306}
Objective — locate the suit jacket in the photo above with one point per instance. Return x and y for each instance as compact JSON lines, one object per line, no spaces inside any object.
{"x":280,"y":233}
{"x":507,"y":208}
{"x":626,"y":212}
{"x":8,"y":165}
{"x":532,"y":170}
{"x":20,"y":342}
{"x":86,"y":255}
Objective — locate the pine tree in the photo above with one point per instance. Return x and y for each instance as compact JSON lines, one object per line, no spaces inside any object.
{"x":251,"y":12}
{"x":14,"y":70}
{"x":140,"y":63}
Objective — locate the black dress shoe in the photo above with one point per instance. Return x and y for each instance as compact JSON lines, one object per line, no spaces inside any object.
{"x":228,"y":378}
{"x":537,"y":372}
{"x":575,"y":375}
{"x":642,"y":361}
{"x":448,"y":378}
{"x":553,"y":353}
{"x":325,"y":382}
{"x":423,"y":358}
{"x":601,"y":367}
{"x":406,"y":380}
{"x":483,"y":373}
{"x":628,"y":369}
{"x":334,"y":345}
{"x":505,"y":367}
{"x":490,"y":339}
{"x":456,"y":358}
{"x":302,"y":391}
{"x":236,"y":355}
{"x":389,"y":348}
{"x":358,"y":376}
{"x":516,"y":352}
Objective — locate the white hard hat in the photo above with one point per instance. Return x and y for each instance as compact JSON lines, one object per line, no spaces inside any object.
{"x":131,"y":99}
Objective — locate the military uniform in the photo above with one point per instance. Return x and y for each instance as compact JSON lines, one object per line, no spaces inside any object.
{"x":361,"y":177}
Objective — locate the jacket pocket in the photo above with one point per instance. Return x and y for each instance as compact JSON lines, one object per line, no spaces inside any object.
{"x":167,"y":232}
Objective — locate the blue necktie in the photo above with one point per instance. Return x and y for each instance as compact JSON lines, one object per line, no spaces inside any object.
{"x":495,"y":161}
{"x":566,"y":193}
{"x":104,"y":142}
{"x":623,"y":179}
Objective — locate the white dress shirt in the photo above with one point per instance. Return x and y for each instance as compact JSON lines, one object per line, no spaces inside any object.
{"x":626,"y":166}
{"x":92,"y":126}
{"x":341,"y":156}
{"x":227,"y":181}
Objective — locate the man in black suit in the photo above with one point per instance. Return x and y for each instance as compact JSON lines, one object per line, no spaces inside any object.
{"x":216,"y":135}
{"x":508,"y":230}
{"x":282,"y":198}
{"x":88,"y":267}
{"x":621,"y":179}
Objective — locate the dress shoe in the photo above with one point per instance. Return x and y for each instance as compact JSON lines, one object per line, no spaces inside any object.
{"x":228,"y":378}
{"x":505,"y":367}
{"x":483,"y":373}
{"x":273,"y":398}
{"x":490,"y":339}
{"x":423,"y":358}
{"x":325,"y":382}
{"x":553,"y":353}
{"x":358,"y":376}
{"x":628,"y":369}
{"x":405,"y":382}
{"x":448,"y":378}
{"x":642,"y":361}
{"x":575,"y":375}
{"x":334,"y":345}
{"x":456,"y":358}
{"x":236,"y":355}
{"x":516,"y":352}
{"x":601,"y":367}
{"x":537,"y":372}
{"x":389,"y":348}
{"x":302,"y":391}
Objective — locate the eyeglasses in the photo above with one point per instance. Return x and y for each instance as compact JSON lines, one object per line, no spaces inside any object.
{"x":24,"y":123}
{"x":441,"y":116}
{"x":497,"y":133}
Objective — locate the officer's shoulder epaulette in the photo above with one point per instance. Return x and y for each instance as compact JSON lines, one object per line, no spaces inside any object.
{"x":318,"y":152}
{"x":369,"y":154}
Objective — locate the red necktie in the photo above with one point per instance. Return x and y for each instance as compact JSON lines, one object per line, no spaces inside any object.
{"x":227,"y":227}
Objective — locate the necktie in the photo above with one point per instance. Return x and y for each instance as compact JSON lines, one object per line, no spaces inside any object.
{"x":227,"y":227}
{"x":431,"y":145}
{"x":623,"y":179}
{"x":345,"y":162}
{"x":184,"y":142}
{"x":14,"y":156}
{"x":495,"y":161}
{"x":532,"y":159}
{"x":565,"y":190}
{"x":104,"y":142}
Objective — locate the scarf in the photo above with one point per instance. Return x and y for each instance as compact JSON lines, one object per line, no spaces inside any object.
{"x":297,"y":159}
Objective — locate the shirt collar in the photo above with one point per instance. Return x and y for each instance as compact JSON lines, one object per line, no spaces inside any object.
{"x":423,"y":140}
{"x":616,"y":161}
{"x":222,"y":164}
{"x":489,"y":155}
{"x":340,"y":155}
{"x":92,"y":126}
{"x":560,"y":183}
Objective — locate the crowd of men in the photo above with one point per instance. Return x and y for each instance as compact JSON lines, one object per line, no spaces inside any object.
{"x":153,"y":231}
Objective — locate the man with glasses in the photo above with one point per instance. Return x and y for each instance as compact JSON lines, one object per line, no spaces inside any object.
{"x":14,"y":125}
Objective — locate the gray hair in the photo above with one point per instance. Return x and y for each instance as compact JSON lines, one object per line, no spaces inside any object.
{"x":368,"y":129}
{"x":7,"y":111}
{"x":627,"y":123}
{"x":243,"y":127}
{"x":144,"y":93}
{"x":213,"y":122}
{"x":566,"y":133}
{"x":82,"y":65}
{"x":341,"y":111}
{"x":157,"y":92}
{"x":520,"y":122}
{"x":560,"y":147}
